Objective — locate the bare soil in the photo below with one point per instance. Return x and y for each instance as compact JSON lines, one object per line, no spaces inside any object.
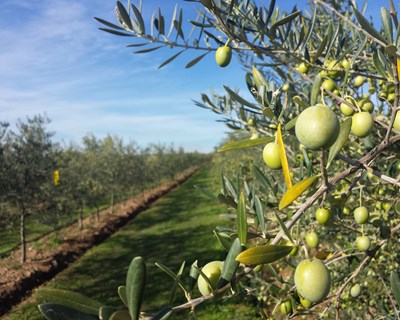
{"x":45,"y":260}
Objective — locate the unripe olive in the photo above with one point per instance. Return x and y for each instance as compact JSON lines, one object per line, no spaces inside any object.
{"x":346,"y":110}
{"x":355,"y":290}
{"x":223,"y":56}
{"x":361,"y":215}
{"x":286,"y":307}
{"x":362,"y":124}
{"x":363,"y":243}
{"x":212,"y":271}
{"x":317,"y":127}
{"x":285,"y":87}
{"x":359,"y":81}
{"x":271,"y":155}
{"x":302,"y":67}
{"x":305,"y":303}
{"x":367,"y":105}
{"x":382,"y":95}
{"x":312,"y":239}
{"x":322,"y":215}
{"x":312,"y":279}
{"x":396,"y":123}
{"x":390,"y":97}
{"x":329,"y":84}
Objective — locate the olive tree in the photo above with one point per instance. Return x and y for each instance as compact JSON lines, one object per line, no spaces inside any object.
{"x":317,"y":210}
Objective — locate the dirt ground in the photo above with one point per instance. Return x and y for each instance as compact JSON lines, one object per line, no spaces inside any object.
{"x":44,"y":261}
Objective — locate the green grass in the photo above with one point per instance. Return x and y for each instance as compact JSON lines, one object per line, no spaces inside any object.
{"x":179,"y":227}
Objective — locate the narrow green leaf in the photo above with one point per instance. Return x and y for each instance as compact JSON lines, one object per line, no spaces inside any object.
{"x":230,"y":264}
{"x":239,"y":99}
{"x":242,"y":220}
{"x":123,"y":14}
{"x":139,"y":18}
{"x":315,"y":90}
{"x":310,"y":29}
{"x":395,"y":285}
{"x":299,"y":101}
{"x":263,"y":254}
{"x":135,"y":284}
{"x":117,"y":33}
{"x":108,"y":24}
{"x":290,"y":124}
{"x":283,"y":21}
{"x":245,"y":144}
{"x":105,"y":313}
{"x":148,"y":50}
{"x":122,"y":294}
{"x":262,"y":179}
{"x":385,"y":63}
{"x":367,"y":26}
{"x":196,"y":60}
{"x":232,"y":189}
{"x":177,"y":281}
{"x":163,"y":314}
{"x":270,"y":11}
{"x":55,"y":311}
{"x":282,"y":154}
{"x":193,"y":275}
{"x":283,"y":227}
{"x":172,"y":274}
{"x":260,"y":213}
{"x":387,"y":24}
{"x":322,"y":45}
{"x":206,"y":192}
{"x":161,"y":22}
{"x":293,"y":193}
{"x":258,"y":78}
{"x":170,"y":59}
{"x":224,"y":239}
{"x":121,"y":315}
{"x":70,"y":299}
{"x":345,"y":127}
{"x":377,"y":64}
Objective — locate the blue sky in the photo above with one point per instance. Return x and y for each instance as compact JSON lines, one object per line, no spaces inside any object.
{"x":54,"y":60}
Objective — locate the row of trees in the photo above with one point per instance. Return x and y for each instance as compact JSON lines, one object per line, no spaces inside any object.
{"x":43,"y":178}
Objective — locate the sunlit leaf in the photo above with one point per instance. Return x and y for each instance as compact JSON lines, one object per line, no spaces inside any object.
{"x":258,"y":78}
{"x":263,"y":254}
{"x":193,"y":275}
{"x":387,"y":24}
{"x":282,"y":153}
{"x":377,"y":64}
{"x":71,"y":299}
{"x":344,"y":132}
{"x":367,"y":26}
{"x":245,"y":144}
{"x":122,"y":294}
{"x":283,"y":227}
{"x":293,"y":193}
{"x":242,"y":220}
{"x":239,"y":99}
{"x":310,"y":29}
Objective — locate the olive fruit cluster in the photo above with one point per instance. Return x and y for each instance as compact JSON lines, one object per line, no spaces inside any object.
{"x":386,"y":91}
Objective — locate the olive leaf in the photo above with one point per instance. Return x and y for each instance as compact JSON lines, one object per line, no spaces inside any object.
{"x":120,"y":315}
{"x":230,"y":264}
{"x":242,"y":220}
{"x":122,"y":294}
{"x":170,"y":59}
{"x":245,"y":144}
{"x":55,"y":311}
{"x":70,"y":299}
{"x":135,"y":283}
{"x":282,"y":153}
{"x":368,"y":27}
{"x":196,"y":60}
{"x":395,"y":285}
{"x":387,"y":24}
{"x":293,"y":193}
{"x":344,"y":132}
{"x":263,"y":254}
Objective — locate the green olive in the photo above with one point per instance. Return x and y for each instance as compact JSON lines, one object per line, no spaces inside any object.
{"x":317,"y":127}
{"x":302,"y":67}
{"x":363,"y":243}
{"x":322,"y":215}
{"x":286,"y":307}
{"x":212,"y":271}
{"x":271,"y":156}
{"x":362,"y":124}
{"x":359,"y":81}
{"x":329,"y":84}
{"x":396,"y":123}
{"x":361,"y":215}
{"x":223,"y":56}
{"x":312,"y":239}
{"x":312,"y":279}
{"x":367,"y":105}
{"x":345,"y":109}
{"x":355,"y":290}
